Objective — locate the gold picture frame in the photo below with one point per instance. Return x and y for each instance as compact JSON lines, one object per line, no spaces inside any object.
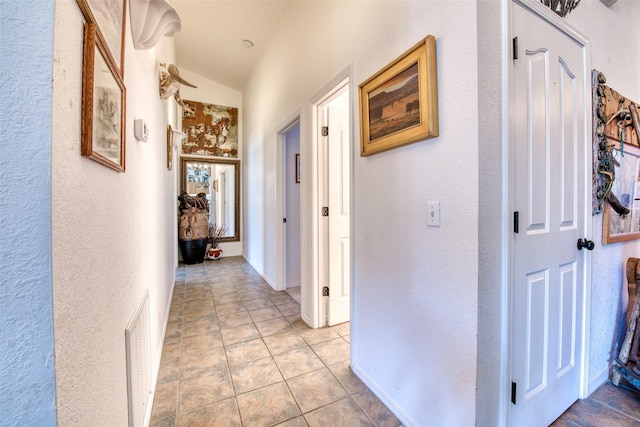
{"x":103,"y":104}
{"x":169,"y":147}
{"x":626,"y":189}
{"x":109,"y":17}
{"x":399,"y":104}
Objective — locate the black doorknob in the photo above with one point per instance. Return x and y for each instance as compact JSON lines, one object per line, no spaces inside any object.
{"x":584,"y":243}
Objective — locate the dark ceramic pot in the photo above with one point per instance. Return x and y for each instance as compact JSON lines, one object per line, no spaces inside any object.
{"x":193,"y":251}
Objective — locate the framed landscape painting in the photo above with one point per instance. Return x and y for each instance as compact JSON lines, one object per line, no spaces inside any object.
{"x":399,"y":104}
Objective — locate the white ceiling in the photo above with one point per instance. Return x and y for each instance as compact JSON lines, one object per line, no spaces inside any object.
{"x":211,"y":41}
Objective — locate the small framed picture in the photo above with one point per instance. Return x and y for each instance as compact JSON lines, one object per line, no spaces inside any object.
{"x":297,"y":168}
{"x":103,"y":104}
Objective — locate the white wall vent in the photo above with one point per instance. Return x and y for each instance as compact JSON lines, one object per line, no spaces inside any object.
{"x":137,"y":339}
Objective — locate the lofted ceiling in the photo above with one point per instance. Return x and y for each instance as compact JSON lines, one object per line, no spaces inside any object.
{"x":212,"y":39}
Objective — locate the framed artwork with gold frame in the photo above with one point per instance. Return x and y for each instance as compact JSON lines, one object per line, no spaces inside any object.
{"x":399,"y":104}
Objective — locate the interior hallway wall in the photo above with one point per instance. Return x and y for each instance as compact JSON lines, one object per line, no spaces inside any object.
{"x":27,"y":363}
{"x":113,"y":233}
{"x":415,"y":287}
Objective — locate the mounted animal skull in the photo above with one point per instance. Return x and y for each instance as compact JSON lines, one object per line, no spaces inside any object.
{"x":170,"y":81}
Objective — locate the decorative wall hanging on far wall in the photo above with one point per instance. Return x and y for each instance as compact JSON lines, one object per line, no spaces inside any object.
{"x":103,"y":104}
{"x":212,"y":130}
{"x":616,"y":157}
{"x":399,"y":104}
{"x":561,"y":7}
{"x":109,"y":16}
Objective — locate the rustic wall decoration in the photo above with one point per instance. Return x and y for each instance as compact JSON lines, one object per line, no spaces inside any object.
{"x":212,"y":130}
{"x":561,"y":7}
{"x":616,"y":162}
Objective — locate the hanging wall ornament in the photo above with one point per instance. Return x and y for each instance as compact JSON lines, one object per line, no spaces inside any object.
{"x":561,"y":7}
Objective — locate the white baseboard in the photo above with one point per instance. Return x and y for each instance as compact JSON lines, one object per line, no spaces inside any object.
{"x":404,"y":418}
{"x":598,"y":380}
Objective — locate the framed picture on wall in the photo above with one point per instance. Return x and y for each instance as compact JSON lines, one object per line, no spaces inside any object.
{"x":399,"y":104}
{"x":109,"y":17}
{"x":103,"y":104}
{"x":618,"y":227}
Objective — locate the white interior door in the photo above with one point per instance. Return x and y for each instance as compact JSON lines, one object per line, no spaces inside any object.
{"x":548,"y":196}
{"x":339,"y":166}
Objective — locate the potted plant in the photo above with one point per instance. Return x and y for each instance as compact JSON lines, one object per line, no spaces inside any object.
{"x":215,"y":234}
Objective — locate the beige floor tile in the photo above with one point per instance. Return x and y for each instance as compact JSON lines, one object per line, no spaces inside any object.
{"x":267,"y":406}
{"x":282,"y":299}
{"x":281,"y":343}
{"x":201,"y":362}
{"x":256,"y":303}
{"x":227,"y":298}
{"x":204,"y":389}
{"x":203,"y":342}
{"x":342,"y":371}
{"x":201,"y":325}
{"x":332,"y":351}
{"x":315,"y":389}
{"x":232,"y":307}
{"x":255,"y":374}
{"x":169,"y":369}
{"x":274,"y":326}
{"x":265,"y":313}
{"x":246,"y":351}
{"x":298,"y":362}
{"x":343,"y":328}
{"x":163,"y":422}
{"x":231,"y":320}
{"x":219,"y":414}
{"x":344,"y":413}
{"x":315,"y":336}
{"x":292,"y":309}
{"x":375,"y":409}
{"x":165,"y":400}
{"x":239,"y":334}
{"x":295,"y":422}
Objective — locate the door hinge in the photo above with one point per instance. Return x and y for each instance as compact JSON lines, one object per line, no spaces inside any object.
{"x":325,"y":291}
{"x":284,"y":219}
{"x":325,"y":211}
{"x":516,"y":222}
{"x":514,"y":386}
{"x":325,"y":130}
{"x":515,"y":48}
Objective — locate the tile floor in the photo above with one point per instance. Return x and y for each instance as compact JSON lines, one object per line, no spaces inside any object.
{"x":609,"y":406}
{"x":236,"y":353}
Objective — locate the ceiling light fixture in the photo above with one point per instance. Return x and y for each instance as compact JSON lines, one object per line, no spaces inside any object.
{"x":248,"y":43}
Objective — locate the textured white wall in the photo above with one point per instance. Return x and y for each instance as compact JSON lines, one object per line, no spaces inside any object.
{"x":27,"y":376}
{"x":415,"y":292}
{"x":211,"y":92}
{"x":614,"y":34}
{"x":113,"y":233}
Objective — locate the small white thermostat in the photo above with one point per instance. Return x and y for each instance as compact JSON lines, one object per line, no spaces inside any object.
{"x":140,"y":130}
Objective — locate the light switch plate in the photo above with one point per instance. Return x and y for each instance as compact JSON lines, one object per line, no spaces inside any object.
{"x":433,"y":214}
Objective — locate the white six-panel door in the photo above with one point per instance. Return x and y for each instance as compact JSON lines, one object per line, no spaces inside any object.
{"x":548,"y":143}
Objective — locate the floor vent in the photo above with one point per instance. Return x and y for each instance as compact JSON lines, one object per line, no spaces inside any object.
{"x":138,"y":346}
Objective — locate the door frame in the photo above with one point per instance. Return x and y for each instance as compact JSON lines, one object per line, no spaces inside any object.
{"x":316,"y":317}
{"x":538,"y":10}
{"x":281,"y":198}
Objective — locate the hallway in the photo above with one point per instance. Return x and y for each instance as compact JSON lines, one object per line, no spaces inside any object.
{"x":236,"y":353}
